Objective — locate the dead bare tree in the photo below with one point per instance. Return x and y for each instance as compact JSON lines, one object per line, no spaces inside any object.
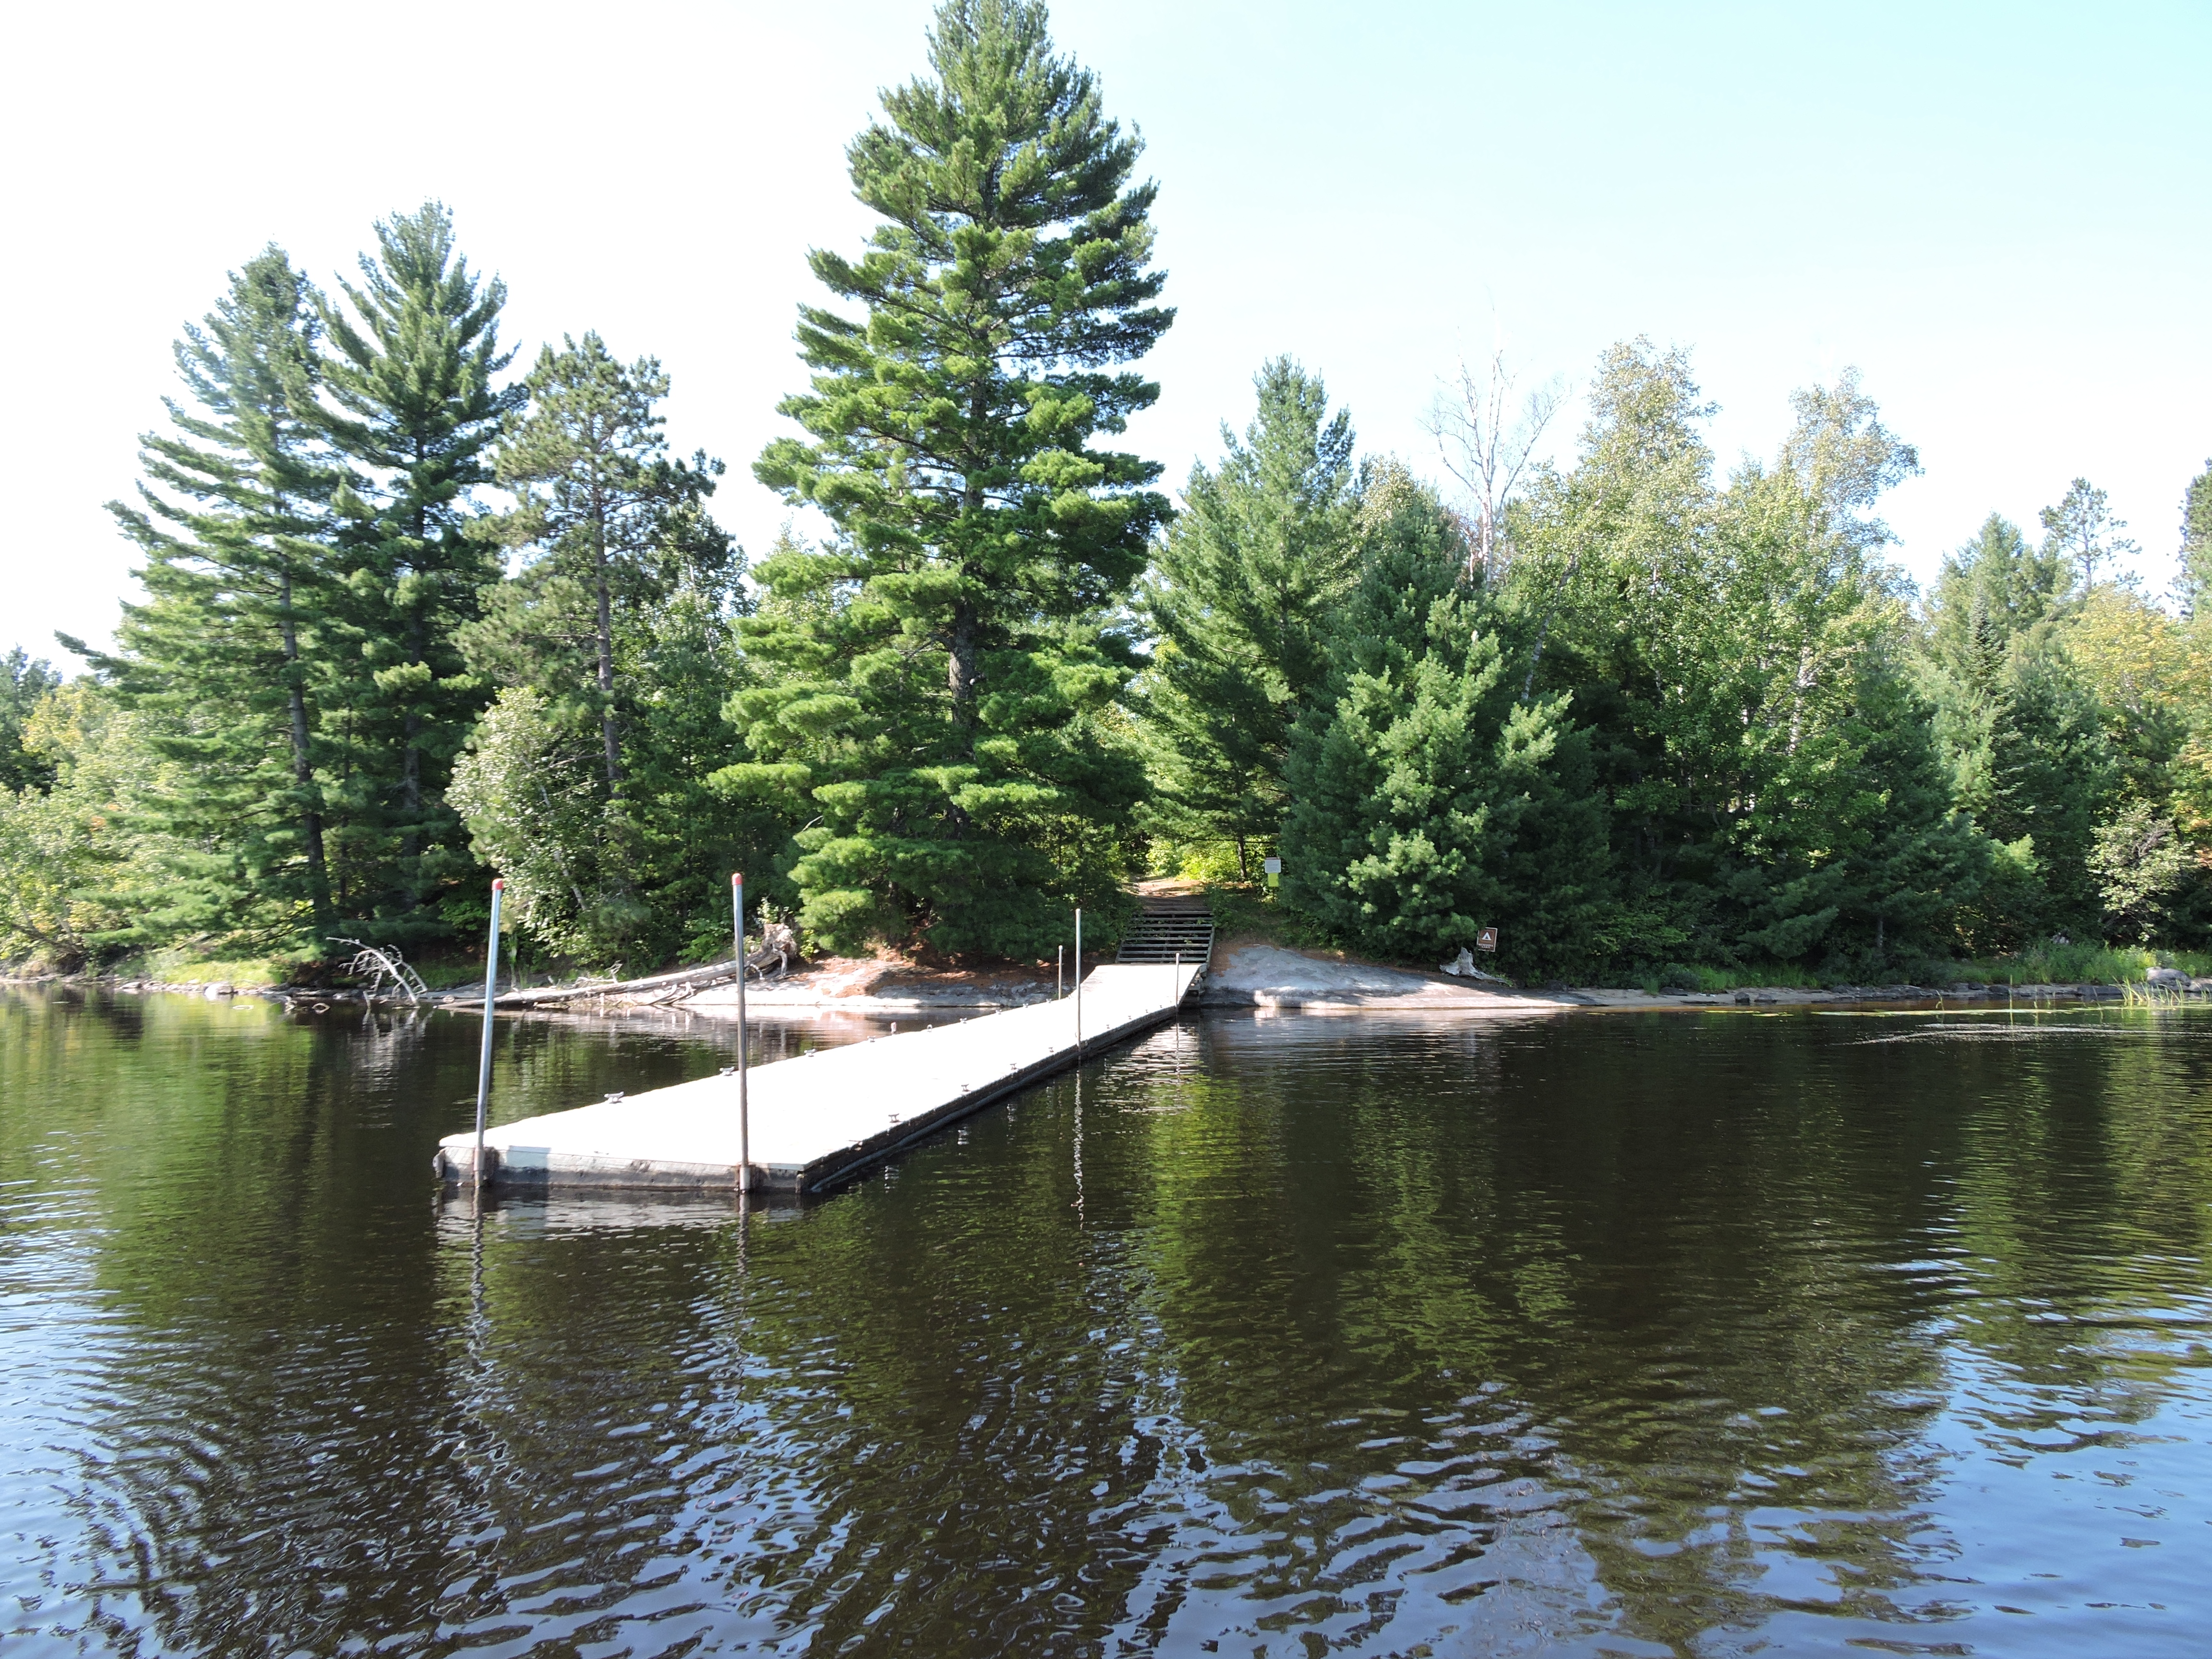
{"x":377,"y":965}
{"x":1486,"y":447}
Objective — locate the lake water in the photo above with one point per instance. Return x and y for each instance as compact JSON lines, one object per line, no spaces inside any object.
{"x":1808,"y":1332}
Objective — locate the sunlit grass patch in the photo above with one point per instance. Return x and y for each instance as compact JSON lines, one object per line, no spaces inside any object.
{"x":171,"y":968}
{"x":2081,"y":964}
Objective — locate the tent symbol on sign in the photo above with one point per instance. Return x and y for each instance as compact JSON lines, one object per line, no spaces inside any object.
{"x":1486,"y":938}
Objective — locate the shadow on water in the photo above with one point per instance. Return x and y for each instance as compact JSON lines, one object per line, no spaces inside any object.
{"x":1667,"y":1334}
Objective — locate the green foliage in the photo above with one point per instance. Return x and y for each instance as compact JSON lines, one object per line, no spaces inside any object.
{"x":1658,"y":724}
{"x":2082,"y":531}
{"x":614,"y":527}
{"x":531,"y":790}
{"x":410,"y":405}
{"x":937,"y":683}
{"x":1733,"y":655}
{"x":23,"y":681}
{"x":1247,"y":909}
{"x":2195,"y":580}
{"x":1993,"y":598}
{"x":2084,"y":963}
{"x":2020,"y":730}
{"x":1428,"y":801}
{"x":308,"y":566}
{"x":583,"y":783}
{"x":1242,"y":603}
{"x":71,"y":855}
{"x":2139,"y":864}
{"x":229,"y":659}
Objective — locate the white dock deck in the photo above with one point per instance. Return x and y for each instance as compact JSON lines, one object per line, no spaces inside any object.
{"x":825,"y":1116}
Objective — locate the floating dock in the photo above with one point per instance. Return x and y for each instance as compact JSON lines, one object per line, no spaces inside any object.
{"x":826,"y":1116}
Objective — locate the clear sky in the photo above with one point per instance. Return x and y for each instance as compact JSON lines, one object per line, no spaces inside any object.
{"x":1997,"y":213}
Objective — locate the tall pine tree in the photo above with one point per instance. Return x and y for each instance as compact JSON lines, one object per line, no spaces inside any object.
{"x":611,"y":524}
{"x":945,"y":711}
{"x":412,"y":405}
{"x":1243,"y":603}
{"x":2019,"y":728}
{"x":613,"y":644}
{"x":227,"y":657}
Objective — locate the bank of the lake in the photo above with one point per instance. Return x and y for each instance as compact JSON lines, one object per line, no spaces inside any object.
{"x":1244,"y":973}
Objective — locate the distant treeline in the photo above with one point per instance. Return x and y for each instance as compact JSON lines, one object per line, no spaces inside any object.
{"x":410,"y":615}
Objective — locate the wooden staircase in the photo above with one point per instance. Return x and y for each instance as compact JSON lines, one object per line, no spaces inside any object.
{"x":1169,"y":928}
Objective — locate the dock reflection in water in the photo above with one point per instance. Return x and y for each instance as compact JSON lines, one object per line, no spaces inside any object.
{"x":1661,"y":1335}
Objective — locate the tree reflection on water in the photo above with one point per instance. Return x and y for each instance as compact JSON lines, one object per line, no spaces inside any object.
{"x":1615,"y":1333}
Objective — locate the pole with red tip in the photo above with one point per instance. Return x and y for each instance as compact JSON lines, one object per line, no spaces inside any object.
{"x":744,"y":1106}
{"x":484,"y":1056}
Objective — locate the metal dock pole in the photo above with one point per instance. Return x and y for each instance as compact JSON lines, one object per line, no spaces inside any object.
{"x":1078,"y":984}
{"x":483,"y":1055}
{"x":745,"y":1105}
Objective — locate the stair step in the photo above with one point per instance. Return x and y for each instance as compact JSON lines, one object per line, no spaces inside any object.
{"x":1169,"y":930}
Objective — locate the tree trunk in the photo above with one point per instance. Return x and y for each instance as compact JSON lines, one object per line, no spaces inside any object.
{"x":1544,"y":627}
{"x":961,"y":673}
{"x":411,"y":761}
{"x":311,"y":820}
{"x":411,"y":784}
{"x":411,"y":764}
{"x":609,"y":736}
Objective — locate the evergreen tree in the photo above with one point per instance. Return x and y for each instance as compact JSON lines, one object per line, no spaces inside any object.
{"x":2022,"y":734}
{"x":613,"y":642}
{"x":2082,"y":530}
{"x":1612,"y":595}
{"x":1993,"y":591}
{"x":1727,"y":650}
{"x":940,"y":682}
{"x":409,"y":401}
{"x":228,"y":655}
{"x":23,"y":681}
{"x":1914,"y":872}
{"x":617,"y":525}
{"x":1242,"y":601}
{"x":1427,"y":799}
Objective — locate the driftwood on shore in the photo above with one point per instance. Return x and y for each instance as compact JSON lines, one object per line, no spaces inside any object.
{"x":779,"y":947}
{"x":655,"y":987}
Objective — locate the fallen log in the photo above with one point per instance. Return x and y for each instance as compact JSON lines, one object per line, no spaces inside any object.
{"x":693,"y":979}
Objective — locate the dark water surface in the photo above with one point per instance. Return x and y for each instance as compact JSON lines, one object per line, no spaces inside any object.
{"x":1608,"y":1335}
